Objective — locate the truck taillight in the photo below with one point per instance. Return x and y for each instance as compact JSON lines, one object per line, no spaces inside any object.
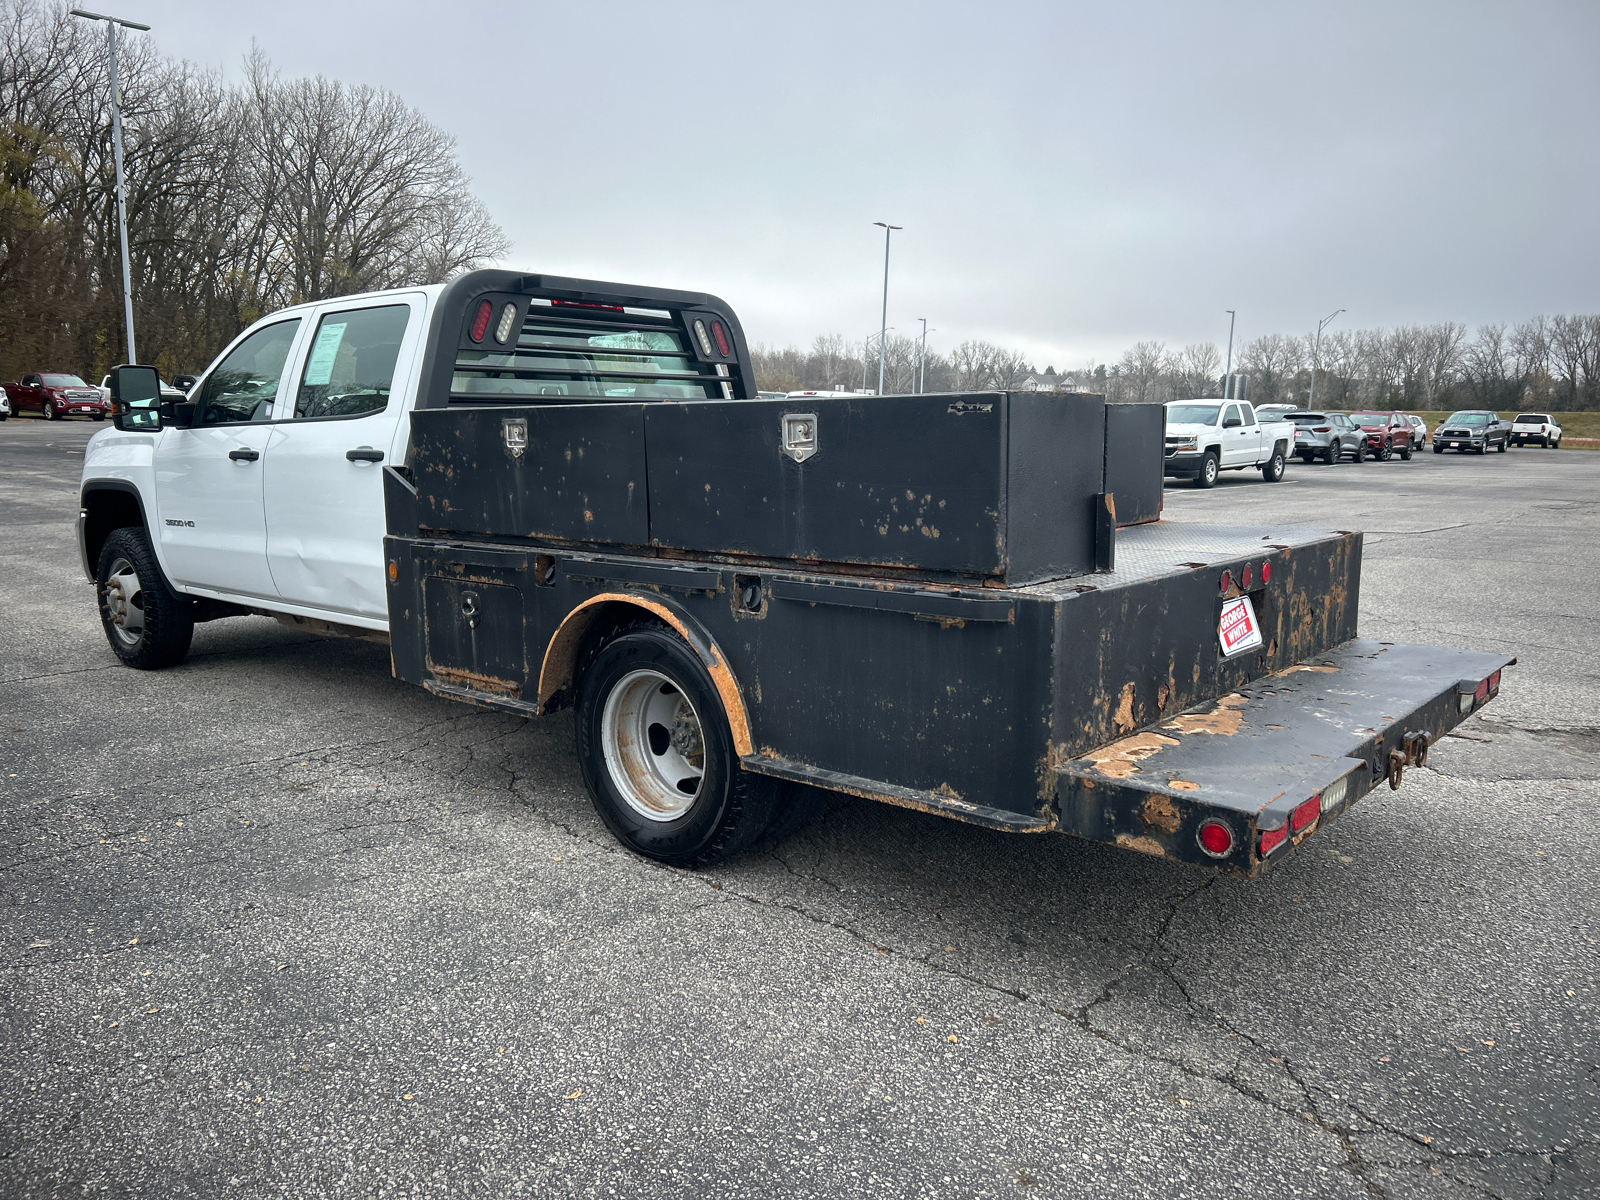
{"x":1247,"y":578}
{"x":1266,"y":572}
{"x":1227,"y":581}
{"x":1271,"y":839}
{"x":1216,"y":839}
{"x":1306,"y":814}
{"x":722,"y":338}
{"x":702,"y":337}
{"x":508,"y":316}
{"x":480,"y":323}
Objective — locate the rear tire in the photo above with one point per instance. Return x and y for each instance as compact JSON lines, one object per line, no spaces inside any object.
{"x":148,"y":625}
{"x":1207,"y":476}
{"x":1272,"y":469}
{"x":657,"y":755}
{"x":1502,"y":445}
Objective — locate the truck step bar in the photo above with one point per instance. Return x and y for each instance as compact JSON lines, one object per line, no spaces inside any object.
{"x":1240,"y":783}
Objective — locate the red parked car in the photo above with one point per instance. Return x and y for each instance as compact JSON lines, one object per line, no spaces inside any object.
{"x":1388,"y":434}
{"x":55,"y":394}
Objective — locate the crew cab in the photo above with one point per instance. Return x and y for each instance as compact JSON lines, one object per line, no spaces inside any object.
{"x":548,"y":493}
{"x":1535,"y":428}
{"x":55,"y":395}
{"x":1476,"y":429}
{"x":1205,"y":437}
{"x":1387,"y":434}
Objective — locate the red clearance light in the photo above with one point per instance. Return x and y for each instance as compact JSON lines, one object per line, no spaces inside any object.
{"x":1216,"y":839}
{"x":1482,"y":692}
{"x":1494,"y":682}
{"x":722,"y":338}
{"x":480,"y":323}
{"x":1227,"y":580}
{"x":1306,"y":814}
{"x":1247,"y":578}
{"x":1271,"y":839}
{"x":1266,"y":572}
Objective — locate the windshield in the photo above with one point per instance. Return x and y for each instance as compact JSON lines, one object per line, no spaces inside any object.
{"x":1533,"y":419}
{"x":62,"y":381}
{"x":1370,"y":418}
{"x":1192,"y":414}
{"x":1469,"y":419}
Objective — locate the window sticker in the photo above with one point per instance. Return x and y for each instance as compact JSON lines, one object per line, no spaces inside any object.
{"x":320,"y":366}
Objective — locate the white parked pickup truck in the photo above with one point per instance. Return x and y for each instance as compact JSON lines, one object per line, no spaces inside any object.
{"x":1205,"y":437}
{"x":1535,"y":429}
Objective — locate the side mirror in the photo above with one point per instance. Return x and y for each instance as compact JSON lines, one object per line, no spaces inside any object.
{"x":184,"y":382}
{"x":135,"y":399}
{"x":1232,"y":423}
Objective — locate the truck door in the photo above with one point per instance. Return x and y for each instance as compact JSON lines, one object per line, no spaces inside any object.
{"x":1237,"y":448}
{"x":324,"y":476}
{"x":1255,"y":437}
{"x":209,"y":516}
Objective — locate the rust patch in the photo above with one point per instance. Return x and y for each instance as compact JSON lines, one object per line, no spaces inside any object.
{"x":1304,"y":667}
{"x":1119,"y":759}
{"x":1122,"y":719}
{"x":1158,"y":812}
{"x":1163,"y":694}
{"x":1183,"y":785}
{"x":1224,"y":719}
{"x":1144,"y":845}
{"x":472,"y":679}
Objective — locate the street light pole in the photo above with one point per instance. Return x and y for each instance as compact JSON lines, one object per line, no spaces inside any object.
{"x":922,"y":356}
{"x":1316,"y":355}
{"x":866,"y":353}
{"x":116,"y":153}
{"x":882,"y":341}
{"x":1227,"y":374}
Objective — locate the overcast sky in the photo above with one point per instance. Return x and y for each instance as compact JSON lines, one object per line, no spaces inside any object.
{"x":1071,"y":177}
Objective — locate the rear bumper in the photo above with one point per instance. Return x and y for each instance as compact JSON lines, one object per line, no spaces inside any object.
{"x":1327,"y":730}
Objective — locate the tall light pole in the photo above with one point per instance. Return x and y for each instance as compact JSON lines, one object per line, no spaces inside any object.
{"x":922,"y":356}
{"x":116,"y":153}
{"x":1316,"y":355}
{"x":882,"y":341}
{"x":1227,"y":373}
{"x":866,"y":351}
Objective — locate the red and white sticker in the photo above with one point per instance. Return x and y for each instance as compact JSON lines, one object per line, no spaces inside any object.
{"x":1238,"y":629}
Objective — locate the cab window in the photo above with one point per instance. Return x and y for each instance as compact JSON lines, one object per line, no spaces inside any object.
{"x":1249,"y":414}
{"x":1230,"y":414}
{"x":350,"y":366}
{"x":244,"y":385}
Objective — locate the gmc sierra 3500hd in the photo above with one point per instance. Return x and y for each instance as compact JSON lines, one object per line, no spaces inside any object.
{"x":551,"y":492}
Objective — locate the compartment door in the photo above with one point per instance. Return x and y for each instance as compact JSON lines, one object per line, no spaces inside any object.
{"x":475,"y":635}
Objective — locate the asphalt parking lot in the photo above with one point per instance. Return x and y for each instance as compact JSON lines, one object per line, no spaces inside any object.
{"x":277,"y":925}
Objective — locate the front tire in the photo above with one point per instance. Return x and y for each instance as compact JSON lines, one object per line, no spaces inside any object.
{"x":1359,"y":454}
{"x":657,"y":755}
{"x":1207,"y":476}
{"x":148,"y":625}
{"x":48,"y":412}
{"x":1272,"y":469}
{"x":1385,"y":452}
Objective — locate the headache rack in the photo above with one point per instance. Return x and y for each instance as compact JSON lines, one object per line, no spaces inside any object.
{"x":501,"y":338}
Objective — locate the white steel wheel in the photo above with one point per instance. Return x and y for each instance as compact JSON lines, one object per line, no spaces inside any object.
{"x":123,"y":597}
{"x":654,"y":745}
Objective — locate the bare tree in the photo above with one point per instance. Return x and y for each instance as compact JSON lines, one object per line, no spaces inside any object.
{"x":1141,"y":370}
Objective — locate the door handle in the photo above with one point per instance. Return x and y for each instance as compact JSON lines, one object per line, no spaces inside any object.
{"x":243,"y":455}
{"x":364,"y":454}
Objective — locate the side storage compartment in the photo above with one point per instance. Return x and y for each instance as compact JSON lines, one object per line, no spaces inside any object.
{"x":1135,"y":437}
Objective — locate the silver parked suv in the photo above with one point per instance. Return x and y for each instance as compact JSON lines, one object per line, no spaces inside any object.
{"x":1326,"y":435}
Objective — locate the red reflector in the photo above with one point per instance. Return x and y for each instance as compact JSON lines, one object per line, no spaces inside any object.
{"x":480,"y":323}
{"x":1266,"y":572}
{"x":1306,"y":813}
{"x":1494,"y":682}
{"x":1272,"y":839}
{"x":1216,"y":839}
{"x":722,"y":338}
{"x":1482,"y":692}
{"x":1247,"y":578}
{"x":1227,"y":580}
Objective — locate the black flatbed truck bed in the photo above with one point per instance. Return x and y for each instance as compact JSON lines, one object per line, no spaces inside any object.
{"x":940,"y":602}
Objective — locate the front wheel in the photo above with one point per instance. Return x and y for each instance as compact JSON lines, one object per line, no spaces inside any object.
{"x":657,"y":755}
{"x":147,"y":623}
{"x":1272,"y":469}
{"x":48,"y":412}
{"x":1207,"y":476}
{"x":1385,"y":452}
{"x":1438,"y":449}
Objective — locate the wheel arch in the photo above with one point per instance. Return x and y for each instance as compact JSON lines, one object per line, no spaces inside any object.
{"x":558,"y":670}
{"x":105,"y":505}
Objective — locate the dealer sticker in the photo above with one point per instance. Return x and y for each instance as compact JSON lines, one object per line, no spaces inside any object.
{"x":1238,"y":629}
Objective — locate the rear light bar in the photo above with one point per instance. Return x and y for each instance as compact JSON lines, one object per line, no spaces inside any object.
{"x":1247,"y":577}
{"x":1467,"y":700}
{"x":1271,"y":839}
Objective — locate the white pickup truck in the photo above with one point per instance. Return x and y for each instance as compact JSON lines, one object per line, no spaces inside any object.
{"x":1531,"y":429}
{"x":1206,"y":437}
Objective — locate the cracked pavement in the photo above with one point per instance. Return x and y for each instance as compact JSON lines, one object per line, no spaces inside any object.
{"x":276,"y":925}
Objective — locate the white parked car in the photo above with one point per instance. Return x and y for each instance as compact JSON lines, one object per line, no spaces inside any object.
{"x":1205,"y":437}
{"x":1535,"y":429}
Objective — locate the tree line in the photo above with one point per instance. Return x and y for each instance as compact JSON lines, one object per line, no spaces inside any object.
{"x":242,"y":197}
{"x":1544,"y":362}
